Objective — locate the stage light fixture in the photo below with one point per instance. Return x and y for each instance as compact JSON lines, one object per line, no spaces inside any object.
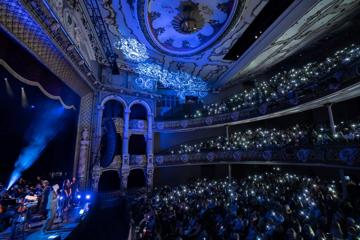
{"x":9,"y":90}
{"x":24,"y":100}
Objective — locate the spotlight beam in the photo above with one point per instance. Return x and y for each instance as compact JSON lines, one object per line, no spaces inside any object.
{"x":46,"y":125}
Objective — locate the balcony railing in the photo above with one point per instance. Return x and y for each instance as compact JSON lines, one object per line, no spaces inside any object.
{"x":136,"y":124}
{"x":137,"y":160}
{"x":315,"y":90}
{"x":336,"y":155}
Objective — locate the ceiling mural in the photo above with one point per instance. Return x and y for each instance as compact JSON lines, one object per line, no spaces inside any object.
{"x":183,"y":27}
{"x":175,"y":35}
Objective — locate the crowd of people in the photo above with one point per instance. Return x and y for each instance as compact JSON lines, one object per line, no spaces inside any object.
{"x":270,"y":205}
{"x":284,"y":84}
{"x":35,"y":201}
{"x":259,"y":138}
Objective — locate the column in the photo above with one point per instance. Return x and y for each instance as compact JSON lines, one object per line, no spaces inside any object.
{"x":83,"y":157}
{"x":149,"y":152}
{"x":85,"y":141}
{"x":331,"y":119}
{"x":229,"y":171}
{"x":98,"y":132}
{"x":125,"y":169}
{"x":227,"y":132}
{"x":100,"y":110}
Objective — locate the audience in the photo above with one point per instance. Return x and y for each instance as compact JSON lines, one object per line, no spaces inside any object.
{"x":270,"y":205}
{"x":286,"y":85}
{"x":346,"y":132}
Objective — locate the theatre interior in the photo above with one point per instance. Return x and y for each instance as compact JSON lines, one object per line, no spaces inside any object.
{"x":180,"y":119}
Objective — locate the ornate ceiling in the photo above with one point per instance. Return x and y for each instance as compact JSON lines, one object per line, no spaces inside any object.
{"x":181,"y":35}
{"x":181,"y":44}
{"x":185,"y":27}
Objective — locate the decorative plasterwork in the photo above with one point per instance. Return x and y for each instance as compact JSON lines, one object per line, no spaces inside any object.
{"x":184,"y":27}
{"x":126,"y":18}
{"x":20,"y":24}
{"x":73,"y":20}
{"x":35,"y":84}
{"x":323,"y":16}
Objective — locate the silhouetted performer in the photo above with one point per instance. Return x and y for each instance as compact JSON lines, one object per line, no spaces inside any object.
{"x":51,"y":207}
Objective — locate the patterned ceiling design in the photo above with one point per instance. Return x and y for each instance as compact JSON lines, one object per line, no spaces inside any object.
{"x":186,"y":26}
{"x":139,"y":19}
{"x":193,"y":36}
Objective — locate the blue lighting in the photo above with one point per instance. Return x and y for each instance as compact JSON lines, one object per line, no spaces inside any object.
{"x":132,"y":49}
{"x":88,"y":196}
{"x":182,"y":82}
{"x":78,"y":196}
{"x":53,"y":237}
{"x":150,"y":74}
{"x":81,"y":212}
{"x":41,"y":132}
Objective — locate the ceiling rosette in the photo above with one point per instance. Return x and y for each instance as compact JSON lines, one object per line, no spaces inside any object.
{"x":185,"y":27}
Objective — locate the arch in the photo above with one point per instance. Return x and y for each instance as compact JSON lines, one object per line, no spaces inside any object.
{"x":137,"y":144}
{"x":109,"y":181}
{"x":141,"y":102}
{"x":138,"y":111}
{"x":113,"y":97}
{"x":110,"y":141}
{"x":136,"y":179}
{"x":113,"y":109}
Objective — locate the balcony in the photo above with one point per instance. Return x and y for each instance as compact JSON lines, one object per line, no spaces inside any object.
{"x":347,"y":156}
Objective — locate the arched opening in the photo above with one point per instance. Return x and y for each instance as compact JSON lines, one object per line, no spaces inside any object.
{"x":113,"y":109}
{"x":138,"y":111}
{"x":109,"y":182}
{"x":136,"y":179}
{"x":110,"y":143}
{"x":137,"y":145}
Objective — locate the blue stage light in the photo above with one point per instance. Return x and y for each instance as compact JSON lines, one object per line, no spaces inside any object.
{"x":81,"y":212}
{"x":44,"y":128}
{"x":88,"y":196}
{"x":78,"y":196}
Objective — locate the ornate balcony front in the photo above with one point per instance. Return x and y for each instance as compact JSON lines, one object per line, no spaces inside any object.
{"x":345,"y":156}
{"x":137,"y":160}
{"x":138,"y":125}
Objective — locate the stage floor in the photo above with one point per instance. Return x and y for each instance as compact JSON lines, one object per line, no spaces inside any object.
{"x":34,"y":230}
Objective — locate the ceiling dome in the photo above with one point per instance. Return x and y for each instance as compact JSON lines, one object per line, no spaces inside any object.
{"x":185,"y":27}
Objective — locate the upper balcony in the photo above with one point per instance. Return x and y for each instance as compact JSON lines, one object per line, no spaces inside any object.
{"x":334,"y":79}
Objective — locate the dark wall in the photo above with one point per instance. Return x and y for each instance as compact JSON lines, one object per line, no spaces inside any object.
{"x":16,"y":121}
{"x":184,"y":174}
{"x":163,"y":141}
